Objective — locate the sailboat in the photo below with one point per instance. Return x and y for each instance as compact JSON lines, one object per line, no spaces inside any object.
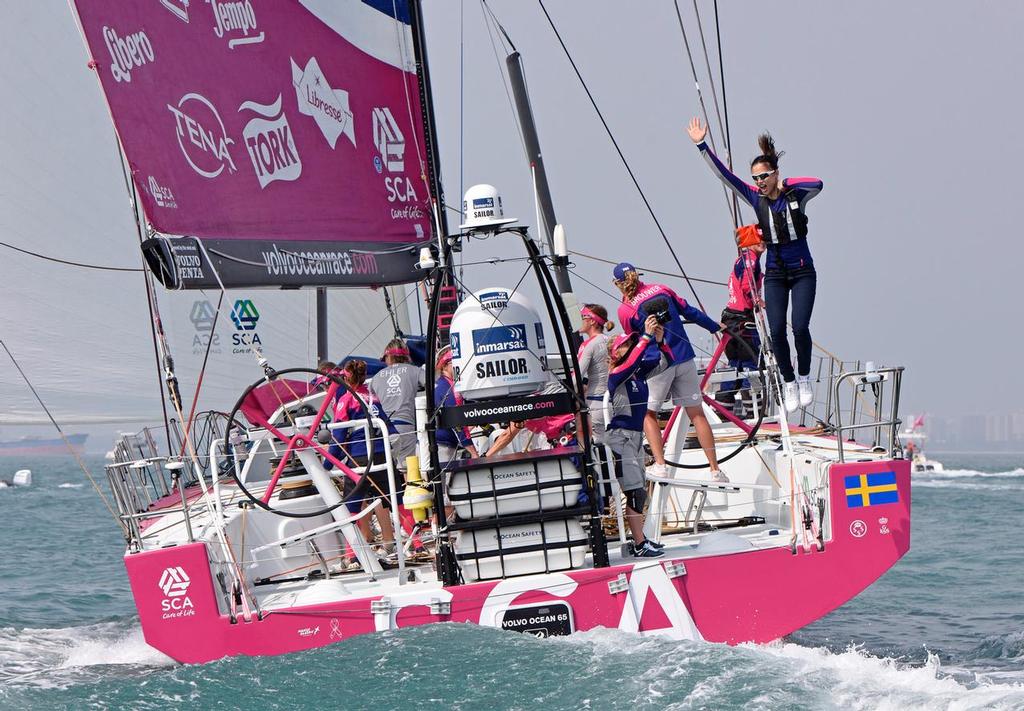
{"x":292,"y":145}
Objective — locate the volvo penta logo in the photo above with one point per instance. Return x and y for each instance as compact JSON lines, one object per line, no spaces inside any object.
{"x":244,"y":315}
{"x":202,"y":315}
{"x":328,"y":107}
{"x":201,"y":136}
{"x":269,"y":141}
{"x":174,"y":582}
{"x":388,"y":138}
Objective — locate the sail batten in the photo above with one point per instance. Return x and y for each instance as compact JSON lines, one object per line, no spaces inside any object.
{"x":273,"y":143}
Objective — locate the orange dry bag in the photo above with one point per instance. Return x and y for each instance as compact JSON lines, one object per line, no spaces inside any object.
{"x":748,"y":236}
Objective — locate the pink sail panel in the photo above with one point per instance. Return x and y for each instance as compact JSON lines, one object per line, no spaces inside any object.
{"x":276,"y":121}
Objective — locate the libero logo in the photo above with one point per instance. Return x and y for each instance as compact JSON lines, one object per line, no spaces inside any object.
{"x":499,"y":339}
{"x":268,"y":139}
{"x":235,"y":21}
{"x":174,"y":582}
{"x":127,"y":53}
{"x":327,"y":106}
{"x":201,"y":136}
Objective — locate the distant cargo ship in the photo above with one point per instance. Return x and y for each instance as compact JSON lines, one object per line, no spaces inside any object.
{"x":42,"y":446}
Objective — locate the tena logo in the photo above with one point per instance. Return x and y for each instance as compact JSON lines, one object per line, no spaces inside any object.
{"x":388,"y":138}
{"x":269,"y":141}
{"x":178,"y":8}
{"x":201,"y":136}
{"x":127,"y":53}
{"x":244,"y":315}
{"x":174,"y":582}
{"x":328,"y":107}
{"x":234,"y":21}
{"x":202,"y":315}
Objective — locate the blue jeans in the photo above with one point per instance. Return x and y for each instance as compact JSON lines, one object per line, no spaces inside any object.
{"x":779,"y":283}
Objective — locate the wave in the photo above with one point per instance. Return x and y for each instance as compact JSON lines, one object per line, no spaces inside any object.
{"x":787,"y":674}
{"x":69,"y":485}
{"x":963,"y":485}
{"x":56,"y":657}
{"x":973,"y":473}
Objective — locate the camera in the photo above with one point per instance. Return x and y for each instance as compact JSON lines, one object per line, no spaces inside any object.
{"x":658,"y":308}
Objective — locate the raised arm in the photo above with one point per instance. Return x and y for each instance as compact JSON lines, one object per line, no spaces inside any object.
{"x":698,"y":133}
{"x":692,"y":313}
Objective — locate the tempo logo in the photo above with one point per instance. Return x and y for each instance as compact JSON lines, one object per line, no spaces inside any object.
{"x":245,"y":315}
{"x":270,"y":144}
{"x":174,"y":582}
{"x":234,"y":18}
{"x":388,"y":138}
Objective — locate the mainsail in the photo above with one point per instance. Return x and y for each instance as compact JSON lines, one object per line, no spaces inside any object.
{"x":273,"y":143}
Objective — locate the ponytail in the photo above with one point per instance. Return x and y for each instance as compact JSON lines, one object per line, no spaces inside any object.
{"x":769,"y":154}
{"x":630,"y":284}
{"x":601,"y":313}
{"x":609,"y":326}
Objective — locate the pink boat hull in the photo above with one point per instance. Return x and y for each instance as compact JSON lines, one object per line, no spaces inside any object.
{"x":756,"y":595}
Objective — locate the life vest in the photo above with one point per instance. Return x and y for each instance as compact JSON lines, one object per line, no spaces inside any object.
{"x":775,"y":225}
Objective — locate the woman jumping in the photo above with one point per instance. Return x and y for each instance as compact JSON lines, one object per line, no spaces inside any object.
{"x":780,"y":208}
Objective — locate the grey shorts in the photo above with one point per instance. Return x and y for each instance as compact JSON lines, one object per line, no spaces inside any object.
{"x":596,"y":419}
{"x":678,"y":384}
{"x":628,"y":448}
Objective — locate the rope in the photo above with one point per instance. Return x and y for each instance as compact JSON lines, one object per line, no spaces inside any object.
{"x":71,"y":449}
{"x":648,"y":269}
{"x":622,"y":157}
{"x":68,"y":262}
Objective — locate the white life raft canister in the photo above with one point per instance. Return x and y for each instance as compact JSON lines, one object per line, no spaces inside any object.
{"x":497,"y":346}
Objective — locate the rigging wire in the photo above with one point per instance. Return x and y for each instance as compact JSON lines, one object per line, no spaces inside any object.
{"x":703,"y":106}
{"x":648,"y":269}
{"x":725,"y":109}
{"x":501,"y":69}
{"x":68,"y":262}
{"x":60,"y":431}
{"x":622,"y":157}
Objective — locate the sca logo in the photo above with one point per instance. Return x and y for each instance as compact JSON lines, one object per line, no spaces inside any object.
{"x":174,"y":583}
{"x":245,"y":315}
{"x":202,"y":137}
{"x":203,"y":317}
{"x":388,"y":139}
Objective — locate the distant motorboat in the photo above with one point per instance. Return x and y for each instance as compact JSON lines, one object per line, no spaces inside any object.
{"x":914,"y":436}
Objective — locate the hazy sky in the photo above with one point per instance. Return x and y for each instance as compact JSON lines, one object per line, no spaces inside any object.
{"x":909,"y":112}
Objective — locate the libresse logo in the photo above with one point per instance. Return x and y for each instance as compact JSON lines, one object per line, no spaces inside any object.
{"x":328,"y":107}
{"x":174,"y":583}
{"x":127,"y":53}
{"x":201,"y":136}
{"x":388,"y":138}
{"x":268,"y":139}
{"x":499,"y":339}
{"x":245,"y":315}
{"x":234,"y":21}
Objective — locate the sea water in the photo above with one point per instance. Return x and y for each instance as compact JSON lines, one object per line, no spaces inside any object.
{"x":943,"y":630}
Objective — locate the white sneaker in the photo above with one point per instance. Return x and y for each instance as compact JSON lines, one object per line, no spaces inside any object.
{"x":806,"y":393}
{"x":719,"y":476}
{"x":657,"y":470}
{"x":791,"y":397}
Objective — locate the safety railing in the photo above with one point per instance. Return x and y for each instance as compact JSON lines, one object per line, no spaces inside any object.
{"x":874,"y":408}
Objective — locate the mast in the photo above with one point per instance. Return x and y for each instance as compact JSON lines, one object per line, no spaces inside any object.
{"x":518,"y":80}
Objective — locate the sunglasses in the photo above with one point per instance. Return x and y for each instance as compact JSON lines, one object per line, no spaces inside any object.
{"x":762,"y":176}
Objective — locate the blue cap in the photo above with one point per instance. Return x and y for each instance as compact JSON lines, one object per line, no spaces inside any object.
{"x":621,"y":269}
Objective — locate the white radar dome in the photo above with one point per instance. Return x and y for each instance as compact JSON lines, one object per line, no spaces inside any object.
{"x":497,"y":346}
{"x":482,"y":209}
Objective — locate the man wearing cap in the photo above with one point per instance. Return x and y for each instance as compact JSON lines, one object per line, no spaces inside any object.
{"x":679,"y":383}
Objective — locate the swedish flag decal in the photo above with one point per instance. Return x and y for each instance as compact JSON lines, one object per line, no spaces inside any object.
{"x":871,"y":489}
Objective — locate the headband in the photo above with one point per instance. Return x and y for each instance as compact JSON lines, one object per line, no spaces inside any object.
{"x":592,"y":316}
{"x":444,"y":358}
{"x":397,"y":352}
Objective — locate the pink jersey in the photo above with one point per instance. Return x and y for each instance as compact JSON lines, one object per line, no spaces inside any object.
{"x":744,"y":280}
